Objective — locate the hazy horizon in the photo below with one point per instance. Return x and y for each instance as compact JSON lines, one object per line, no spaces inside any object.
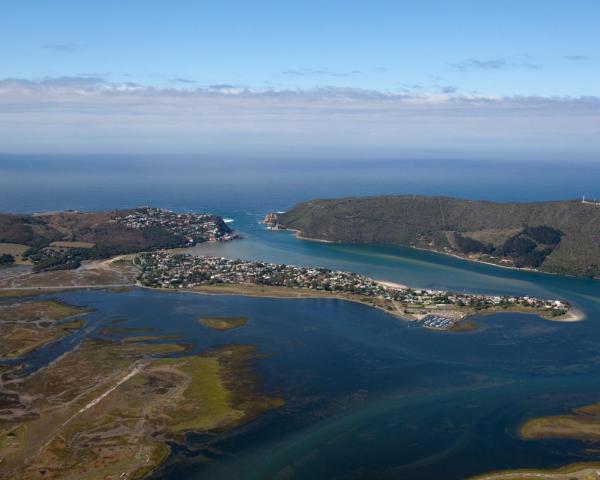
{"x":310,"y":79}
{"x":91,"y":182}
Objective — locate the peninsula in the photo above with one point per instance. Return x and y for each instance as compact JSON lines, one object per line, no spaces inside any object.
{"x":561,"y":237}
{"x":437,"y":309}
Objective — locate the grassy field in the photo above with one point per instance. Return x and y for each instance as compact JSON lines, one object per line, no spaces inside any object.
{"x":12,"y":248}
{"x":16,"y":250}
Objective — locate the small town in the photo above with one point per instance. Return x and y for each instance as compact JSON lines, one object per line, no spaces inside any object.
{"x":194,"y":227}
{"x":184,"y":271}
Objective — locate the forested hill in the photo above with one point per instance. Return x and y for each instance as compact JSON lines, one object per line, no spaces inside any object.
{"x":560,"y":237}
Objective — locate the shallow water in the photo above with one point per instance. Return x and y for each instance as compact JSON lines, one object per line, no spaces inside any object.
{"x":404,"y":265}
{"x":368,"y":396}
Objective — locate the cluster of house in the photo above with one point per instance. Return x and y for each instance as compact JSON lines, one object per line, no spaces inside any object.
{"x":194,"y":227}
{"x":167,"y":270}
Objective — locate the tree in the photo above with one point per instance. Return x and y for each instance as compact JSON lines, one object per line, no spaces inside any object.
{"x":6,"y":259}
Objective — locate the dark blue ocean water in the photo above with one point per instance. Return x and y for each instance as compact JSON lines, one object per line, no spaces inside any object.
{"x":368,"y":396}
{"x":34,"y":183}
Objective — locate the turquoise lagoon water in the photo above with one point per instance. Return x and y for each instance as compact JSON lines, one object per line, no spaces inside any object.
{"x":367,"y":395}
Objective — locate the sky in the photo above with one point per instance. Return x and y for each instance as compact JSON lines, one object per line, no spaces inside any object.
{"x":281,"y":78}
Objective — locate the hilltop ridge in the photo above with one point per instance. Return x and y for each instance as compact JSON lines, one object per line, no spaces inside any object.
{"x":61,"y":240}
{"x":560,"y":237}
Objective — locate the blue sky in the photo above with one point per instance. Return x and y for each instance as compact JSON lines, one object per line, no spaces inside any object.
{"x":425,"y":51}
{"x":497,"y":48}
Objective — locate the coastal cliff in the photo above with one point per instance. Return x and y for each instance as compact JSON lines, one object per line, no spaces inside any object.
{"x":560,"y":237}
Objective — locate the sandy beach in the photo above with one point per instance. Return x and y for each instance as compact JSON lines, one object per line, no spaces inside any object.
{"x":391,"y":284}
{"x":573,"y":315}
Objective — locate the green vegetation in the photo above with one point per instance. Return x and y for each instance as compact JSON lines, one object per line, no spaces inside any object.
{"x":581,"y":424}
{"x":577,"y":471}
{"x":471,"y":245}
{"x":208,"y":403}
{"x":62,"y":240}
{"x":6,"y":259}
{"x":33,"y":311}
{"x":27,"y":326}
{"x":560,"y":237}
{"x":531,"y":246}
{"x":464,"y":326}
{"x":14,"y":250}
{"x":108,"y":410}
{"x":19,"y":340}
{"x":223,"y":323}
{"x":544,"y":234}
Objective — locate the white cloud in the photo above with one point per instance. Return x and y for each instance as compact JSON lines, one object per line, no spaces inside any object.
{"x":90,"y":114}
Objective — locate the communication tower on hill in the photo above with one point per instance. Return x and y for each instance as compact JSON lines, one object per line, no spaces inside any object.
{"x":587,"y":202}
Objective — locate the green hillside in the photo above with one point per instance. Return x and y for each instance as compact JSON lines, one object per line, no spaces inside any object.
{"x":62,"y":240}
{"x":560,"y":237}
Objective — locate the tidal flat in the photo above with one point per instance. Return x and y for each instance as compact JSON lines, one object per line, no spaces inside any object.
{"x":27,"y":326}
{"x":583,"y":423}
{"x":107,"y":409}
{"x":583,"y":471}
{"x":406,"y":402}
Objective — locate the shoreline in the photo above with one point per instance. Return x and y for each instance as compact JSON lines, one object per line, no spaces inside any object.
{"x":562,"y":472}
{"x":450,"y":254}
{"x":260,"y":291}
{"x":414,"y":313}
{"x":572,"y":315}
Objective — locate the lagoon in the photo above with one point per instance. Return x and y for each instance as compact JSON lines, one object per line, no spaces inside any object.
{"x":367,"y":395}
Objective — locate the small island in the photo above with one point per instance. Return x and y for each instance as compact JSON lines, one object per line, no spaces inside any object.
{"x":223,"y":323}
{"x":581,"y":424}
